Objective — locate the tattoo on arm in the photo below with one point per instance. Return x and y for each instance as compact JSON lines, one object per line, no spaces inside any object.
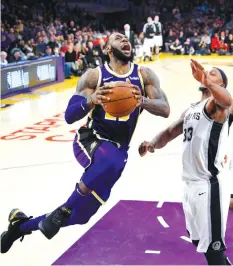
{"x":157,"y":102}
{"x":88,"y":83}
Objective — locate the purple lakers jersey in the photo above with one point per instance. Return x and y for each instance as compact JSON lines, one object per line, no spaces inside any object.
{"x":116,"y":129}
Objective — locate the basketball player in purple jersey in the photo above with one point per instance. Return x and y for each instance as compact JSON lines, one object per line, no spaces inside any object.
{"x":101,"y":147}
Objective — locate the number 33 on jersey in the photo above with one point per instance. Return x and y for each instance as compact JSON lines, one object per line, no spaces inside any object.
{"x":203,"y":143}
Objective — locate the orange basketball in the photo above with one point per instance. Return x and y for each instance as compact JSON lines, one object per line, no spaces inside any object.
{"x":122,"y":101}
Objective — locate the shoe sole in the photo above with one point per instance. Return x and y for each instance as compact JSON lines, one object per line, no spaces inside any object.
{"x":8,"y":247}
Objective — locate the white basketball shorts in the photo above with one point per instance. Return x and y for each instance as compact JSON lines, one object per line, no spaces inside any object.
{"x":206,"y":206}
{"x":158,"y":41}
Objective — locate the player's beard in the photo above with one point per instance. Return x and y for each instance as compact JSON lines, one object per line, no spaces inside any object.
{"x":121,"y":56}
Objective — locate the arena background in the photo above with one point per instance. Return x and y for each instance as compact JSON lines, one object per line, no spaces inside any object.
{"x":45,"y":47}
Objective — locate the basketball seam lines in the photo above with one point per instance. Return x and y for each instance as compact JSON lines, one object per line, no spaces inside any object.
{"x":119,"y":99}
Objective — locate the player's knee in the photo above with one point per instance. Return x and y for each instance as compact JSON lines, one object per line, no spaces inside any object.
{"x":83,"y":220}
{"x":83,"y":188}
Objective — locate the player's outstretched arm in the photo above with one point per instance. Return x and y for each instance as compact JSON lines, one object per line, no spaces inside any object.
{"x":165,"y":136}
{"x":157,"y":102}
{"x":220,"y":97}
{"x":86,"y":97}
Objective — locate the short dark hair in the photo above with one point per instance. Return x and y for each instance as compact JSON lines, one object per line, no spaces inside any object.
{"x":224,"y":76}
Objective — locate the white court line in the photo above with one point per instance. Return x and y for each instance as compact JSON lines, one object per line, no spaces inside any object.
{"x":186,"y":239}
{"x":160,"y":204}
{"x":152,"y":252}
{"x":163,"y":223}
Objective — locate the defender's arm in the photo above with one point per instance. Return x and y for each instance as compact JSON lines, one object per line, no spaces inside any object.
{"x":172,"y":132}
{"x":165,"y":136}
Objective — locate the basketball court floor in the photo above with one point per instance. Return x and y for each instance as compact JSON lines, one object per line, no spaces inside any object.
{"x":142,"y":223}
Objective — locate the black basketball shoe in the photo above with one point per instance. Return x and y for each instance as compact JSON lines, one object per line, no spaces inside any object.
{"x":51,"y":225}
{"x":16,"y":218}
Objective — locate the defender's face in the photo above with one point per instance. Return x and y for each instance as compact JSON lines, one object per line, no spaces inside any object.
{"x":215,"y":76}
{"x":121,"y":43}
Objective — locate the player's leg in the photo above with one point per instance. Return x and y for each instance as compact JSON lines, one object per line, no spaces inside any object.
{"x":107,"y":164}
{"x":188,"y":213}
{"x":210,"y":220}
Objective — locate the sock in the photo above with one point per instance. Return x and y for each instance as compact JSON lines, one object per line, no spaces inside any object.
{"x":215,"y":258}
{"x":31,"y":225}
{"x":75,"y":203}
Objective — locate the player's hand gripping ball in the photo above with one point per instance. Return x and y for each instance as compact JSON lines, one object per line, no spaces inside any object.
{"x":118,"y":98}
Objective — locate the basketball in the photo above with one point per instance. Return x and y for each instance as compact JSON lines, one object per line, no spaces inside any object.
{"x":122,"y":100}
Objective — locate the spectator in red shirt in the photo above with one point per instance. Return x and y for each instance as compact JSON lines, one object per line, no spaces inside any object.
{"x":64,"y":47}
{"x":215,"y":44}
{"x":223,"y":48}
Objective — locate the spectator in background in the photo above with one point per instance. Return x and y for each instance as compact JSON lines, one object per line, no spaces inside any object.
{"x":72,"y":28}
{"x":169,"y":40}
{"x":52,"y":42}
{"x":79,"y":39}
{"x":129,"y":34}
{"x":138,"y":46}
{"x":182,"y":38}
{"x":70,"y":58}
{"x":203,"y":49}
{"x":79,"y":62}
{"x":3,"y":59}
{"x":93,"y":58}
{"x":5,"y":40}
{"x":101,"y":51}
{"x":16,"y":57}
{"x":12,"y":35}
{"x":222,"y":36}
{"x":227,"y":33}
{"x":85,"y":39}
{"x":158,"y":38}
{"x":149,"y":33}
{"x":41,"y":47}
{"x":196,"y":39}
{"x":222,"y":48}
{"x":177,"y":47}
{"x":64,"y":47}
{"x":48,"y":51}
{"x":215,"y":45}
{"x":188,"y":47}
{"x":230,"y":44}
{"x":205,"y":41}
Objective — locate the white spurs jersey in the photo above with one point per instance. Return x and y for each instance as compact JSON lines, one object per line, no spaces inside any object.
{"x":204,"y":144}
{"x":231,"y":142}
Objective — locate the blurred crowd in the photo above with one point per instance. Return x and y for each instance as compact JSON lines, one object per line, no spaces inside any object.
{"x":51,"y":28}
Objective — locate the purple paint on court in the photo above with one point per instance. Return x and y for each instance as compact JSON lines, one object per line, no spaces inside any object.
{"x":129,"y":229}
